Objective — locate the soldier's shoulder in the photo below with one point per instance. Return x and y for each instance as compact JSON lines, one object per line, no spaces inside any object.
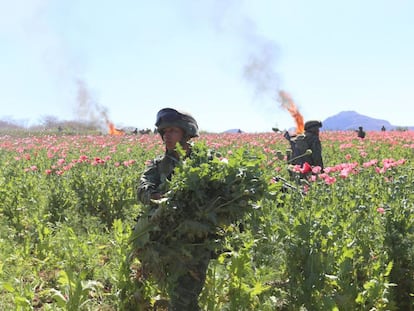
{"x":159,"y":157}
{"x":299,"y":137}
{"x":310,"y":135}
{"x":155,"y":161}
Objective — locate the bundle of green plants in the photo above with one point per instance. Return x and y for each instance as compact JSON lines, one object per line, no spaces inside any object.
{"x":207,"y":195}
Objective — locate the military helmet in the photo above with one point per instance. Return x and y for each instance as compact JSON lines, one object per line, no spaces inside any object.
{"x":169,"y":117}
{"x":312,"y":124}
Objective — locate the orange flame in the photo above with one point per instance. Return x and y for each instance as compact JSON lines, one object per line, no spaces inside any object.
{"x":114,"y":131}
{"x":287,"y":103}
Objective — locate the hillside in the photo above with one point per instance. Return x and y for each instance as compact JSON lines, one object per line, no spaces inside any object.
{"x":351,"y":120}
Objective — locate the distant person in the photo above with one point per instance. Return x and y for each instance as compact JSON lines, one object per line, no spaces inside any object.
{"x":383,"y":128}
{"x":361,"y":133}
{"x":146,"y":131}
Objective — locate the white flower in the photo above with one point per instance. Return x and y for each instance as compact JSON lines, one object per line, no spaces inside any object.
{"x":224,"y":160}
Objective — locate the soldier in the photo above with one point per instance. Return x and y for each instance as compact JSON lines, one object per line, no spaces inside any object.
{"x":314,"y":143}
{"x":361,"y":132}
{"x":307,"y":141}
{"x":175,"y":127}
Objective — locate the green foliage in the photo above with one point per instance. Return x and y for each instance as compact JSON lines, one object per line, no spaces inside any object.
{"x":68,"y":208}
{"x":399,"y":243}
{"x":205,"y":195}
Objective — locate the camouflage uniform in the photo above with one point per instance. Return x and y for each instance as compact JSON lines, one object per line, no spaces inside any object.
{"x":314,"y":143}
{"x":184,"y":291}
{"x":312,"y":138}
{"x":308,"y":140}
{"x":155,"y":175}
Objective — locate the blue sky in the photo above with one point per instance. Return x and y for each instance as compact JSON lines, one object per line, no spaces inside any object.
{"x":223,"y":61}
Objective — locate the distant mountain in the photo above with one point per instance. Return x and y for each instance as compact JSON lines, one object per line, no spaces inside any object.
{"x":351,"y":120}
{"x":233,"y":131}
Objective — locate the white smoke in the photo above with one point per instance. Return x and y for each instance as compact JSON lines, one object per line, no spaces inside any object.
{"x":261,"y":52}
{"x":88,"y":108}
{"x":27,"y":20}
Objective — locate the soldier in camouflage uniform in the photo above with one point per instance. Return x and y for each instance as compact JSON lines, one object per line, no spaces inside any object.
{"x":175,"y":127}
{"x":314,"y":143}
{"x":300,"y":144}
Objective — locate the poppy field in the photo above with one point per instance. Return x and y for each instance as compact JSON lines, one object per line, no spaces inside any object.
{"x":341,"y":240}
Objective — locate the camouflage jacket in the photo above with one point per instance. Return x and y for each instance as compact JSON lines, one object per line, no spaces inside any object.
{"x":155,"y":175}
{"x":314,"y":143}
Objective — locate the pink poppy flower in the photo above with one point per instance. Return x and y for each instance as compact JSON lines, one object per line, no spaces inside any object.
{"x":306,"y":168}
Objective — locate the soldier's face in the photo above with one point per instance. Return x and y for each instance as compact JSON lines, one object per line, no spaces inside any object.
{"x":172,"y":135}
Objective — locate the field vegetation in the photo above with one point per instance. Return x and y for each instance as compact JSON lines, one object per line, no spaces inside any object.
{"x":343,"y":240}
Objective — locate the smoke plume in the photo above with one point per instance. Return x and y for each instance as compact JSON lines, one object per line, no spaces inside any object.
{"x":259,"y":69}
{"x":61,"y":61}
{"x":261,"y":52}
{"x":88,"y":108}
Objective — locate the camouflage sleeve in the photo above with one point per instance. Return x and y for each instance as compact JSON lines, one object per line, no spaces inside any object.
{"x":148,"y":183}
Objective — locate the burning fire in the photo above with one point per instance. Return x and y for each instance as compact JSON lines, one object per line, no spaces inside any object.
{"x":114,"y":131}
{"x":287,"y":103}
